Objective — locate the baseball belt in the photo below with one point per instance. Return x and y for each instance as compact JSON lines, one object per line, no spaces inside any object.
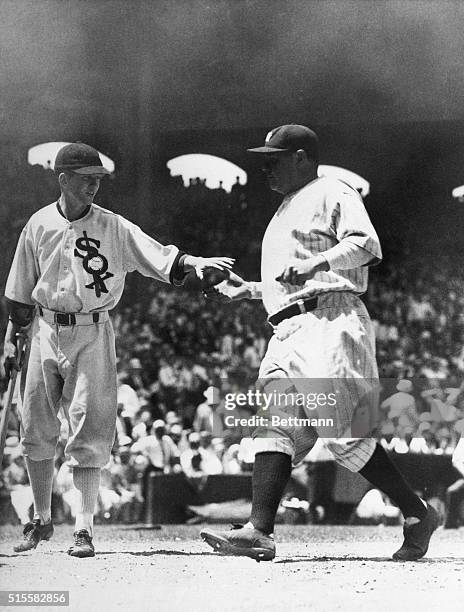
{"x":66,"y":319}
{"x":297,"y":308}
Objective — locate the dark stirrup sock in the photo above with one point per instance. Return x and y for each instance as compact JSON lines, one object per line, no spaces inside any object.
{"x":382,"y":473}
{"x":271,"y":473}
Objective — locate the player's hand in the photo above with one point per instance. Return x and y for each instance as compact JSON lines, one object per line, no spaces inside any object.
{"x":298,"y":271}
{"x":200,"y":264}
{"x":233,"y":288}
{"x":10,"y":360}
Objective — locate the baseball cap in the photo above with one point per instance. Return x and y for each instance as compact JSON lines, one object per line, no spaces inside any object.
{"x":80,"y":158}
{"x":290,"y":138}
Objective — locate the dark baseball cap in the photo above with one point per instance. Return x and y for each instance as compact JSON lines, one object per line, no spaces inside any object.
{"x":287,"y":138}
{"x":80,"y":158}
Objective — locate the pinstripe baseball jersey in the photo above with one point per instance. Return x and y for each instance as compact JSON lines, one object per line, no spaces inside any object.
{"x":310,"y":221}
{"x":80,"y":265}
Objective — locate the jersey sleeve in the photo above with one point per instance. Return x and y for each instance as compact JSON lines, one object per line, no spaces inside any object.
{"x":146,"y":255}
{"x":350,"y":222}
{"x":24,"y":271}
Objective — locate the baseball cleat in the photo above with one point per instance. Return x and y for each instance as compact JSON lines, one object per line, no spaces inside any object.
{"x":33,"y":533}
{"x":241,"y":541}
{"x":417,"y":537}
{"x":82,"y":546}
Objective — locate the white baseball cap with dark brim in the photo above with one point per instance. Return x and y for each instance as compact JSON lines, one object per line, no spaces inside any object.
{"x":79,"y":158}
{"x":290,"y":138}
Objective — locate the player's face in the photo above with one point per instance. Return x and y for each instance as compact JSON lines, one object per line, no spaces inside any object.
{"x":83,"y":187}
{"x":280,"y":170}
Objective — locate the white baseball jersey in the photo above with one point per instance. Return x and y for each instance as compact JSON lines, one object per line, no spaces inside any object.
{"x":308,"y":222}
{"x":80,"y":265}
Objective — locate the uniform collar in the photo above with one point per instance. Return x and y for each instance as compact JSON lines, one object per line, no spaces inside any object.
{"x":84,"y":213}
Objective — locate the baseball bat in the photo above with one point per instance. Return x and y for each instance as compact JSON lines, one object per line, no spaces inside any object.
{"x":21,"y":344}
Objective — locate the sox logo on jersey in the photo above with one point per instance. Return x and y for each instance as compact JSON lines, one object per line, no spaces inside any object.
{"x":94,"y":263}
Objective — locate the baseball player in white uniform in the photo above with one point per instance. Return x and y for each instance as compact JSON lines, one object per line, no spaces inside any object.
{"x":315,"y":255}
{"x":68,"y":272}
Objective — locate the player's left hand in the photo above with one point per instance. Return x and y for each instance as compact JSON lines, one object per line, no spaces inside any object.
{"x":298,"y":271}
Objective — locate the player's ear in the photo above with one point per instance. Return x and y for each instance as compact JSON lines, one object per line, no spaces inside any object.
{"x":301,"y":156}
{"x":62,"y":179}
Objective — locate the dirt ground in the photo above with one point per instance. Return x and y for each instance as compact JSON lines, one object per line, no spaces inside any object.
{"x":317,"y":568}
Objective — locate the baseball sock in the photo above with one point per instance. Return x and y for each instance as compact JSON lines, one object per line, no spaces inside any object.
{"x":87,"y":483}
{"x":382,"y":473}
{"x":41,"y":479}
{"x":271,"y":473}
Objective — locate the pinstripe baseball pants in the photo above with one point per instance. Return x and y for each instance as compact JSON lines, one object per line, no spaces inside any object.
{"x":325,"y":360}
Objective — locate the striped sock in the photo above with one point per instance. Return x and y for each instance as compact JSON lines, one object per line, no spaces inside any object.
{"x":41,"y":479}
{"x":87,"y":483}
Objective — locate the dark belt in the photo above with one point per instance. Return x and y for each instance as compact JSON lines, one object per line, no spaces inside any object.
{"x":66,"y":319}
{"x":297,"y":308}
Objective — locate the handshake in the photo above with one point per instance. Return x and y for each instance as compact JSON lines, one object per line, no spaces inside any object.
{"x":220,"y":284}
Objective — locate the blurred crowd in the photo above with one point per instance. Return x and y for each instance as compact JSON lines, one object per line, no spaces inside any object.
{"x":178,"y":355}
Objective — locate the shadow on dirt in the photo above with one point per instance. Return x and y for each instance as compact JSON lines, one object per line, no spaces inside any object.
{"x":326,"y":559}
{"x":151,"y":553}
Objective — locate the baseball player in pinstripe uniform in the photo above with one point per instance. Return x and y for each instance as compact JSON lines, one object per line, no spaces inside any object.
{"x":68,"y":272}
{"x":315,"y":256}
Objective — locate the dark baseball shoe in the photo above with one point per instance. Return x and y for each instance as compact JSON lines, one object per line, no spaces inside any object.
{"x":82,"y":546}
{"x":32,"y":534}
{"x":242,"y":542}
{"x":417,"y":537}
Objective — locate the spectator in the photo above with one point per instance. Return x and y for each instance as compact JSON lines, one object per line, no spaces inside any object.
{"x":178,"y":436}
{"x":401,"y":406}
{"x":143,"y":427}
{"x":159,"y":449}
{"x":230,"y":460}
{"x":210,"y":462}
{"x":191,"y":459}
{"x":207,"y":417}
{"x":127,"y":397}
